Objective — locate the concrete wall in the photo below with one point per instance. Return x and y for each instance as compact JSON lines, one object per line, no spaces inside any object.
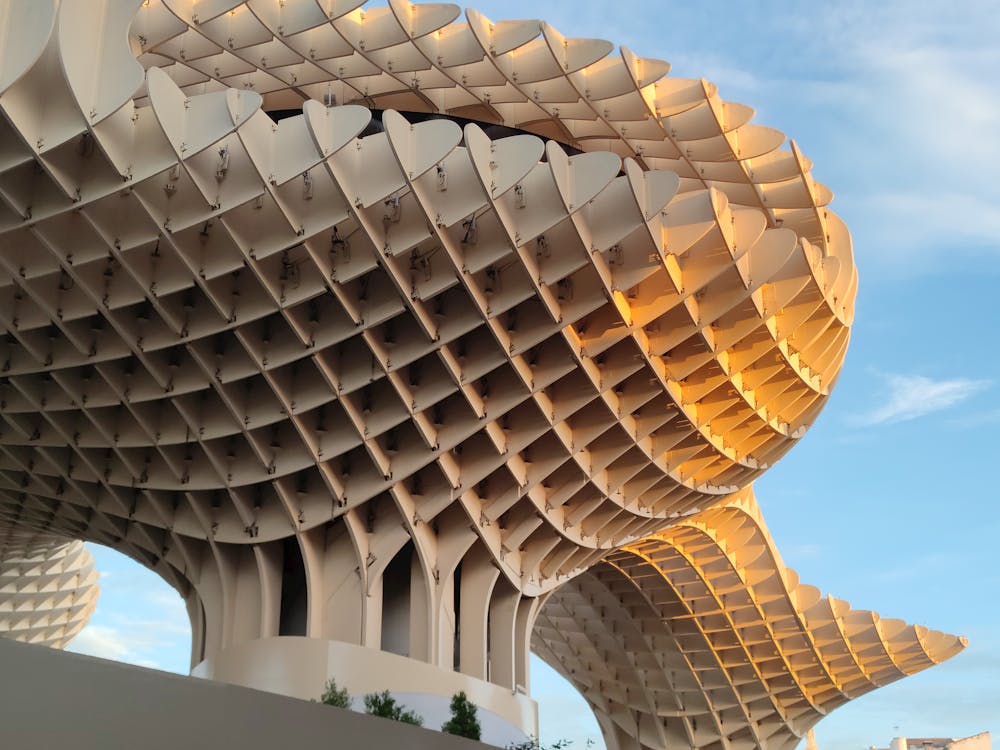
{"x":53,"y":699}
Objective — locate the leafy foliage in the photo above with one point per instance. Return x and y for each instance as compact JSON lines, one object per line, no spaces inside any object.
{"x":533,"y":743}
{"x":334,"y":696}
{"x":384,"y":705}
{"x":464,"y":720}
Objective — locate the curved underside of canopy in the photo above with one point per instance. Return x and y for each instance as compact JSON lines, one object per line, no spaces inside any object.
{"x":498,"y":307}
{"x":699,"y":636}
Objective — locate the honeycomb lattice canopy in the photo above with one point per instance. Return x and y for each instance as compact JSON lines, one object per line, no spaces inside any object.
{"x":225,"y":328}
{"x":48,"y":591}
{"x":699,"y":635}
{"x":401,"y":331}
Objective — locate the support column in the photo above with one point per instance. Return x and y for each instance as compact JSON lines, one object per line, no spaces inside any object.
{"x":313,"y":545}
{"x":268,"y":558}
{"x":527,"y":610}
{"x":420,"y":609}
{"x":479,"y":576}
{"x":503,"y":616}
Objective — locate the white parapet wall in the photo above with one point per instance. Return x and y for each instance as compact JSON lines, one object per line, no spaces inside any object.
{"x":300,"y":667}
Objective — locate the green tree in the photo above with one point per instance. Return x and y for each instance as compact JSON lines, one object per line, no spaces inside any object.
{"x":334,"y":696}
{"x":384,"y":705}
{"x":464,"y":719}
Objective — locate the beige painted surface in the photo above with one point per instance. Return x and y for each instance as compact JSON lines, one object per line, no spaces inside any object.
{"x":389,"y":383}
{"x":256,"y":317}
{"x":981,"y":741}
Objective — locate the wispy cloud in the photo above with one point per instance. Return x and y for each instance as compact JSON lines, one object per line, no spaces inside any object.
{"x":132,"y":627}
{"x":116,"y":644}
{"x":912,"y":396}
{"x":924,"y":109}
{"x":895,"y":103}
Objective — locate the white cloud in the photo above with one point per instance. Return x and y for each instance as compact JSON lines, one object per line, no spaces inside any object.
{"x":133,"y":627}
{"x":129,"y":640}
{"x":913,"y":396}
{"x":111,"y":643}
{"x":169,"y":604}
{"x":923,"y":120}
{"x":731,"y":79}
{"x":962,"y":216}
{"x":897,"y":104}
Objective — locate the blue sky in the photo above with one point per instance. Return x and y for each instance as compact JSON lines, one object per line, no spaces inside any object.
{"x":890,"y":502}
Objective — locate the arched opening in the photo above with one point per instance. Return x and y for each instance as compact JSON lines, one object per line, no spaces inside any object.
{"x":140,"y":619}
{"x":563,"y":714}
